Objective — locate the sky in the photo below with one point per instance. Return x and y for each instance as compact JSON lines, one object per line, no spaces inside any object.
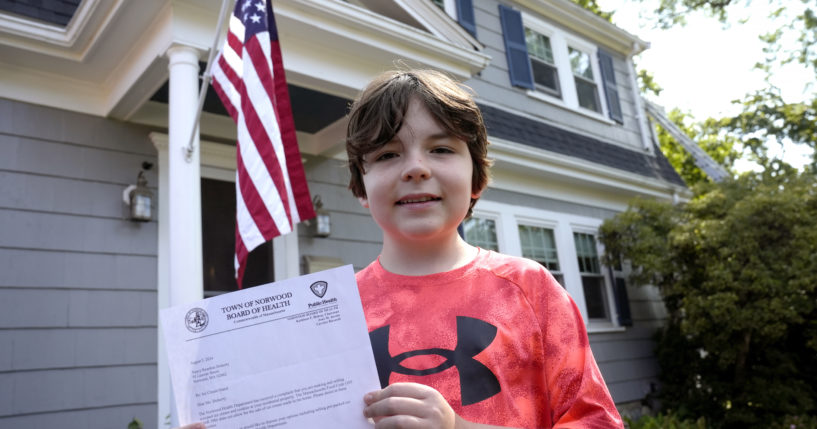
{"x":705,"y":65}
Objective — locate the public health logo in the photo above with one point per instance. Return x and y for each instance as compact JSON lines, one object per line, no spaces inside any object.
{"x":196,"y":320}
{"x":319,"y":288}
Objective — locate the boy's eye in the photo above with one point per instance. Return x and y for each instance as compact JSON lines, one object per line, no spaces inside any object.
{"x":442,"y":149}
{"x":385,"y":156}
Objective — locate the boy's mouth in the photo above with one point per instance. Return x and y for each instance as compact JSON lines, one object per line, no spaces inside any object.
{"x":417,"y":199}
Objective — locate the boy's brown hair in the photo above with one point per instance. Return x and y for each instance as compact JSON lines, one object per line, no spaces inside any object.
{"x":377,"y":115}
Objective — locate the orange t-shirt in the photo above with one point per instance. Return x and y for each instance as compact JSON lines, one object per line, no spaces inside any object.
{"x":499,"y":338}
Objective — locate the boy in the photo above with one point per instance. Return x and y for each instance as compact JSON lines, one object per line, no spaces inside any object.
{"x":463,"y":337}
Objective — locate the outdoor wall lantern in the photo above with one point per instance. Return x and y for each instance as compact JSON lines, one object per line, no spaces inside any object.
{"x":323,"y":225}
{"x":139,"y":197}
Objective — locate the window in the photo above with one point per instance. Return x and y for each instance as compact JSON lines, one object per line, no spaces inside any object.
{"x":557,"y":66}
{"x":565,"y":244}
{"x":545,"y":74}
{"x":462,"y":11}
{"x":595,"y":296}
{"x":586,"y":88}
{"x":481,"y":233}
{"x":539,"y":244}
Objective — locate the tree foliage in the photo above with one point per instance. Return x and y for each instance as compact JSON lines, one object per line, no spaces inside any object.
{"x":766,"y":120}
{"x":593,"y":6}
{"x":737,"y":267}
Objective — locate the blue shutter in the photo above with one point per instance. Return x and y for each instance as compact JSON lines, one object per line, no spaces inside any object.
{"x":608,"y":75}
{"x":621,"y":299}
{"x":465,"y":16}
{"x":515,"y":48}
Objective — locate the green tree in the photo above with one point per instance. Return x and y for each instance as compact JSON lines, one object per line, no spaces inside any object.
{"x":766,"y":119}
{"x":593,"y":6}
{"x":737,"y":267}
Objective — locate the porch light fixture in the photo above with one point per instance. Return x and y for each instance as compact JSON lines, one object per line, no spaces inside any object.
{"x":139,"y":197}
{"x":323,"y":225}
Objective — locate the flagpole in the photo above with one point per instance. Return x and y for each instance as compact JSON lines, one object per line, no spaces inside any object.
{"x":205,"y":82}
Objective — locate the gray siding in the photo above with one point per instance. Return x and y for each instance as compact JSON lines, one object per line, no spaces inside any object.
{"x":355,"y":238}
{"x":78,"y":305}
{"x":493,"y":85}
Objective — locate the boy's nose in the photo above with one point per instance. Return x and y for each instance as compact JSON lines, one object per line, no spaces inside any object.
{"x":416,"y":169}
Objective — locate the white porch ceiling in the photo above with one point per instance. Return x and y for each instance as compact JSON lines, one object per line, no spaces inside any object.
{"x":110,"y":58}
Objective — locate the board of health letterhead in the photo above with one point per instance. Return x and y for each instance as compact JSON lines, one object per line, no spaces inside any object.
{"x":289,"y":354}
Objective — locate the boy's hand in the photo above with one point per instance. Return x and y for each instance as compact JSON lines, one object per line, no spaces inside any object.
{"x":410,"y":405}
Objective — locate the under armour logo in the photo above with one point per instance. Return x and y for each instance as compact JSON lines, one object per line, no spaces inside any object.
{"x":477,"y":382}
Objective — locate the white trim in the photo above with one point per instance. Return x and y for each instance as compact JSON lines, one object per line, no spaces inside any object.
{"x":501,"y":234}
{"x":73,"y":42}
{"x":612,"y":312}
{"x":544,"y":96}
{"x":451,"y":9}
{"x":165,"y":403}
{"x":442,"y":23}
{"x":640,"y":112}
{"x":328,"y":45}
{"x":581,"y":21}
{"x":324,"y":24}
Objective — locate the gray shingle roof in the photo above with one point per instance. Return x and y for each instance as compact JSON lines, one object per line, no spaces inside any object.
{"x":519,"y":129}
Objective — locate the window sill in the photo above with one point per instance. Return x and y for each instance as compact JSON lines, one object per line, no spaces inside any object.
{"x":560,"y":103}
{"x":604,"y":328}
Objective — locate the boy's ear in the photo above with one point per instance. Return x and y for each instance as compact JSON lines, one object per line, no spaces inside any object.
{"x":363,"y":201}
{"x":477,"y":194}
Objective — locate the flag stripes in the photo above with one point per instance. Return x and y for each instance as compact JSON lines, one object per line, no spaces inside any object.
{"x":272,"y":194}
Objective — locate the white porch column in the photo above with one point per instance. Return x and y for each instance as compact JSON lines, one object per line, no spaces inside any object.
{"x":165,"y":403}
{"x":184,"y":196}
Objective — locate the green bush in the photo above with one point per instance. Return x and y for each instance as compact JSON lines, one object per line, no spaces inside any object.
{"x":664,"y":421}
{"x":797,"y":422}
{"x":737,"y":269}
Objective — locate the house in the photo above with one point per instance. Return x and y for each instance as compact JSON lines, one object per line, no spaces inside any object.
{"x":94,"y":92}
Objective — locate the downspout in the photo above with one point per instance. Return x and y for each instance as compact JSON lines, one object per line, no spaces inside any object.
{"x":640,"y":114}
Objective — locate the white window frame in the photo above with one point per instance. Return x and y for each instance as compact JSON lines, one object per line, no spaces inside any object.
{"x":507,"y":217}
{"x":541,"y":222}
{"x":583,"y":228}
{"x":450,"y":8}
{"x":560,"y":40}
{"x":488,"y":215}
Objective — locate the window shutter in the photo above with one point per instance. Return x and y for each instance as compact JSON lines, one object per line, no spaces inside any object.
{"x":622,"y":302}
{"x":515,"y":48}
{"x":465,"y":16}
{"x":608,"y":75}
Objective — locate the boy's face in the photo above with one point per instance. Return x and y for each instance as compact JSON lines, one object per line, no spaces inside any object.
{"x":418,"y":186}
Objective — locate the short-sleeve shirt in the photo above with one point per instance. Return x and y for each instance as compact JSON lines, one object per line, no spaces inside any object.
{"x":499,"y":338}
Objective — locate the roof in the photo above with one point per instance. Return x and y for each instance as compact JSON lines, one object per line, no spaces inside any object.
{"x":508,"y":126}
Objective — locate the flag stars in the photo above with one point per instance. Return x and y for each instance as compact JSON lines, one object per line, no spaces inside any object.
{"x":246,"y":4}
{"x":255,"y":19}
{"x":260,"y":6}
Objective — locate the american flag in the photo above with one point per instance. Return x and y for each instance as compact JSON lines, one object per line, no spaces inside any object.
{"x":248,"y":75}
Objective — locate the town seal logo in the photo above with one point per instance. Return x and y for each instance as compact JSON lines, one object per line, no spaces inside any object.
{"x":319,"y":288}
{"x":196,"y":320}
